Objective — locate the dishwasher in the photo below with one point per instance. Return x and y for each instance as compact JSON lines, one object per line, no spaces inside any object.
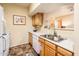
{"x":36,"y":44}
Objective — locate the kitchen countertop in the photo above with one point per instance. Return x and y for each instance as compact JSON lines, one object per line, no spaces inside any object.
{"x":67,"y":43}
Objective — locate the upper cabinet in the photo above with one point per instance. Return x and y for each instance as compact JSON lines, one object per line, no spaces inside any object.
{"x":37,"y":20}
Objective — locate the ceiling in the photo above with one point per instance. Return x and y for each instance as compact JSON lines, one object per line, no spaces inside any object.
{"x":43,"y":7}
{"x":50,"y":7}
{"x":26,"y":5}
{"x":23,"y":4}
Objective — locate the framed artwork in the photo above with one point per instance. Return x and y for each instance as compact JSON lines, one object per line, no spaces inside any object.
{"x":19,"y":20}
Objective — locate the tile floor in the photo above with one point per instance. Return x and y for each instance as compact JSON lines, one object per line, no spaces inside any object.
{"x":21,"y":50}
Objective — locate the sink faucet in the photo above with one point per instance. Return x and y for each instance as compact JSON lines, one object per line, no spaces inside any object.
{"x":55,"y":33}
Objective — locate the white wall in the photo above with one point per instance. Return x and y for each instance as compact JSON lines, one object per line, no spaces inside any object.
{"x":1,"y":17}
{"x":76,"y":28}
{"x":18,"y":33}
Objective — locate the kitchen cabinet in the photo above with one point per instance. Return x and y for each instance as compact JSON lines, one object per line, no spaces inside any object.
{"x":42,"y":47}
{"x":37,"y":20}
{"x":51,"y":45}
{"x":30,"y":38}
{"x":51,"y":49}
{"x":64,"y":52}
{"x":33,"y":20}
{"x":60,"y":23}
{"x":47,"y":48}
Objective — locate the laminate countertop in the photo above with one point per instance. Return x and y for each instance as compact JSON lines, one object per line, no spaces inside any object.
{"x":67,"y":43}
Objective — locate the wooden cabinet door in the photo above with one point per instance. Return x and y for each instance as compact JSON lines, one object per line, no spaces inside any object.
{"x":53,"y":46}
{"x":33,"y":20}
{"x":46,"y":50}
{"x":41,"y":41}
{"x":37,"y":19}
{"x":49,"y":51}
{"x":59,"y":23}
{"x":64,"y":52}
{"x":42,"y":49}
{"x":30,"y":38}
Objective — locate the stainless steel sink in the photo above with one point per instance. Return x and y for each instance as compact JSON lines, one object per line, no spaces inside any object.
{"x":48,"y":36}
{"x":51,"y":37}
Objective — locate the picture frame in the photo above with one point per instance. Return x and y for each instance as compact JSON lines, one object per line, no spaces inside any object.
{"x":19,"y":20}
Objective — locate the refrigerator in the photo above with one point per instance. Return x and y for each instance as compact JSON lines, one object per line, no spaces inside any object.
{"x":4,"y":35}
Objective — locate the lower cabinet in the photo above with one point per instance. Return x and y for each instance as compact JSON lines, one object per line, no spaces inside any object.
{"x":50,"y":49}
{"x":64,"y":52}
{"x":42,"y":47}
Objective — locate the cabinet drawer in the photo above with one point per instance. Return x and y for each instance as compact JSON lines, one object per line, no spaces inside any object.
{"x":53,"y":46}
{"x":64,"y":52}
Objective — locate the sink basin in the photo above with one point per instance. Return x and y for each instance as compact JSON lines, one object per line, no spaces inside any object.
{"x":51,"y":37}
{"x":48,"y":36}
